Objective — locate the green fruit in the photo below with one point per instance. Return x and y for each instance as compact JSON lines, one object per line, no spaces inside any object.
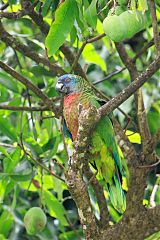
{"x":34,"y":220}
{"x":117,"y":10}
{"x":134,"y":22}
{"x":122,"y":2}
{"x":114,"y":28}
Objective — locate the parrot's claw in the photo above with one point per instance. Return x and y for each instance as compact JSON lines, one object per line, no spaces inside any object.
{"x":70,"y":161}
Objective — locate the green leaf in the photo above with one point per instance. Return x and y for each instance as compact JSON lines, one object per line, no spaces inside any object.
{"x":142,"y":5}
{"x":71,"y":235}
{"x":10,"y":163}
{"x":153,"y":120}
{"x":2,"y":237}
{"x":90,"y":55}
{"x":55,"y":208}
{"x":18,"y":177}
{"x":46,"y":7}
{"x":91,"y":14}
{"x":3,"y":185}
{"x":6,"y":221}
{"x":8,"y":82}
{"x":4,"y":151}
{"x":155,"y":236}
{"x":11,"y":2}
{"x":133,"y":137}
{"x":61,"y":27}
{"x":73,"y":35}
{"x":7,"y":129}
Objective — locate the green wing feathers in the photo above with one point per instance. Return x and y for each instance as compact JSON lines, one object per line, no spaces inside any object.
{"x":111,"y":171}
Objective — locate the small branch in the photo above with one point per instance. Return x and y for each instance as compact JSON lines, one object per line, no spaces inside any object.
{"x":7,"y":145}
{"x":41,"y":164}
{"x":83,"y":46}
{"x":15,"y":44}
{"x":110,"y":75}
{"x":140,"y":109}
{"x":30,"y":86}
{"x":130,"y":89}
{"x":36,"y":161}
{"x":70,"y":58}
{"x":19,"y":14}
{"x":78,"y":55}
{"x":107,"y":4}
{"x":141,"y":51}
{"x":155,"y":26}
{"x":25,"y":108}
{"x":13,"y":15}
{"x":4,"y":6}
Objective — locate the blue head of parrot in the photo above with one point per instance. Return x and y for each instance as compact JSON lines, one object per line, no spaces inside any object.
{"x":67,"y":84}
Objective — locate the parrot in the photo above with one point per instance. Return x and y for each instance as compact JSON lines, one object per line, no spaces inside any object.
{"x":111,"y":170}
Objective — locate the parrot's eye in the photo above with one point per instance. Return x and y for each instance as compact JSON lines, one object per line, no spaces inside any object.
{"x":67,"y":80}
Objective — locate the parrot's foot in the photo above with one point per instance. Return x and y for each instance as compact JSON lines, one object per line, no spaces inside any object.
{"x":70,"y":161}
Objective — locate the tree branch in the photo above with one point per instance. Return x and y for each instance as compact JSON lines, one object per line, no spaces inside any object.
{"x":20,"y":13}
{"x":15,"y":44}
{"x":94,"y":39}
{"x":30,"y":86}
{"x":141,"y":51}
{"x":141,"y":114}
{"x":155,"y":26}
{"x":145,"y":223}
{"x":4,"y":6}
{"x":130,"y":89}
{"x":24,"y":108}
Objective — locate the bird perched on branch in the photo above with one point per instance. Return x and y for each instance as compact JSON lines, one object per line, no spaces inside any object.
{"x":104,"y":155}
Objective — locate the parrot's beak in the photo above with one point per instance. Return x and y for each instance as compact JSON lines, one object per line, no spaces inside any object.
{"x":61,"y":88}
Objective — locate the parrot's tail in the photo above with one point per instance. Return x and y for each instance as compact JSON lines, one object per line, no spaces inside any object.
{"x":117,"y":193}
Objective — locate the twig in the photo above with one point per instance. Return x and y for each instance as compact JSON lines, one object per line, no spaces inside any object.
{"x":140,"y":109}
{"x":78,"y":55}
{"x":130,"y":89}
{"x":105,"y":98}
{"x":4,"y":6}
{"x":150,"y":166}
{"x":15,"y":44}
{"x":19,"y":14}
{"x":30,"y":85}
{"x":155,"y":26}
{"x":7,"y":145}
{"x":110,"y":75}
{"x":24,"y":108}
{"x":107,"y":4}
{"x":59,"y":164}
{"x":141,"y":51}
{"x":36,"y":161}
{"x":94,"y":39}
